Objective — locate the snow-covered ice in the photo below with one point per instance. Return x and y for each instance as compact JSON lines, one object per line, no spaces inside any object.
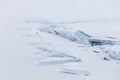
{"x":73,"y":52}
{"x":60,"y":40}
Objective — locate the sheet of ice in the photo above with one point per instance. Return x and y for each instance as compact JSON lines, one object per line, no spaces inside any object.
{"x":50,"y":50}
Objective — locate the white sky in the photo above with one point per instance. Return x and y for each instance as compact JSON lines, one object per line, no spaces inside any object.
{"x":60,"y":9}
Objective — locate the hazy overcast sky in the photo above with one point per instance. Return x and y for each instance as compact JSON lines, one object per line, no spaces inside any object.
{"x":59,"y":9}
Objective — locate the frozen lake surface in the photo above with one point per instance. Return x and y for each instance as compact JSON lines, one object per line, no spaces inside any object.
{"x":59,"y":40}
